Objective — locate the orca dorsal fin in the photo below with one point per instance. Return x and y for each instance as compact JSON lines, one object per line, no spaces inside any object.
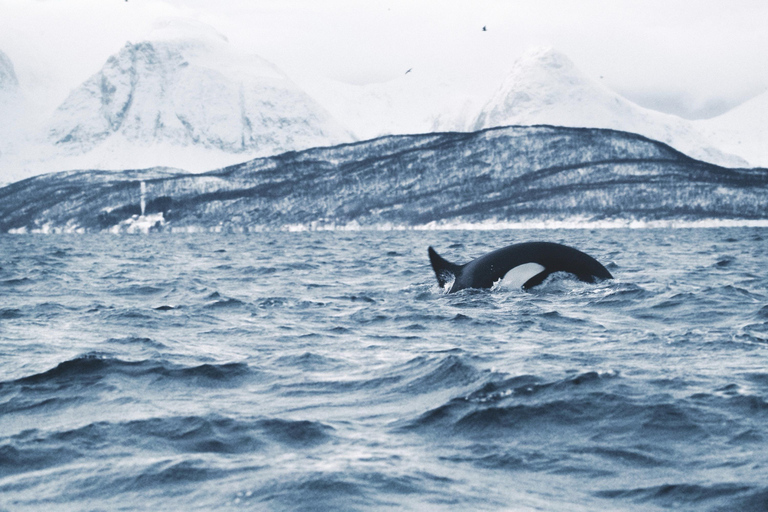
{"x":443,"y":268}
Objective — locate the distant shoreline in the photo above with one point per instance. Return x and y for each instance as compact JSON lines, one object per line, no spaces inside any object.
{"x":142,"y":227}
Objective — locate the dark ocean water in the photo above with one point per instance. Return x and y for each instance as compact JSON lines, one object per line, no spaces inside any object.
{"x":327,"y":371}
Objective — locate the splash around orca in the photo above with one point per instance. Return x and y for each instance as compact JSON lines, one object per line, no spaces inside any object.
{"x":533,"y":261}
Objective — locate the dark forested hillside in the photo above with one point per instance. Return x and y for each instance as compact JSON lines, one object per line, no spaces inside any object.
{"x":502,"y":174}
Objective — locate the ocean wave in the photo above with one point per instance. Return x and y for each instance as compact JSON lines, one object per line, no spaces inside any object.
{"x":272,"y":302}
{"x":675,"y":421}
{"x":733,"y":293}
{"x":10,"y":313}
{"x":314,"y":491}
{"x":528,"y":405}
{"x":225,"y":303}
{"x":300,"y":265}
{"x":295,"y":433}
{"x":309,"y":361}
{"x":355,"y":298}
{"x":528,"y":385}
{"x":47,"y":310}
{"x":147,"y":481}
{"x":488,"y":408}
{"x":424,"y":375}
{"x":90,"y":369}
{"x":311,"y":387}
{"x":131,"y":315}
{"x":418,"y":376}
{"x":18,"y":281}
{"x":137,"y":340}
{"x":497,"y":458}
{"x":760,"y":378}
{"x":45,"y":404}
{"x":84,"y":369}
{"x":140,"y":290}
{"x":622,"y":295}
{"x":351,"y":490}
{"x":632,"y":457}
{"x":15,"y":460}
{"x":167,"y":473}
{"x":181,"y":434}
{"x":724,"y":262}
{"x":37,"y":449}
{"x":495,"y":420}
{"x":257,"y":271}
{"x":755,"y":333}
{"x":678,"y":300}
{"x":686,"y":494}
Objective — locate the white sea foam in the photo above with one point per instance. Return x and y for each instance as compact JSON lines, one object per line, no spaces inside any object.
{"x":156,"y":222}
{"x":497,"y":225}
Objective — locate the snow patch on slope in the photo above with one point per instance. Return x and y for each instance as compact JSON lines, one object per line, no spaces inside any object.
{"x":416,"y":102}
{"x":742,"y":130}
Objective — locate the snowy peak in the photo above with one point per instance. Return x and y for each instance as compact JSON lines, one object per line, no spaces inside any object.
{"x":194,"y":91}
{"x":545,"y":87}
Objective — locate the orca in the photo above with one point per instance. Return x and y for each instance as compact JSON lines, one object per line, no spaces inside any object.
{"x":529,"y":263}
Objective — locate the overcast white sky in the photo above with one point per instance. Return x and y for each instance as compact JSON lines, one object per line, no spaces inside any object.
{"x":683,"y":56}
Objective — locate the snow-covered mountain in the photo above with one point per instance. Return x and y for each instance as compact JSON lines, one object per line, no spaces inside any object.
{"x":545,"y":87}
{"x":178,"y":91}
{"x":185,"y":99}
{"x":742,"y":131}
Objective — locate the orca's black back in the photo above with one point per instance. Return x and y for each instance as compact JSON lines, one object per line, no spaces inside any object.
{"x":562,"y":258}
{"x":486,"y":270}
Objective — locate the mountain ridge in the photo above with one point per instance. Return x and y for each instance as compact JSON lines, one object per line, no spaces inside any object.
{"x":192,"y":109}
{"x":166,"y":91}
{"x":501,"y":174}
{"x":544,"y":85}
{"x":743,"y":130}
